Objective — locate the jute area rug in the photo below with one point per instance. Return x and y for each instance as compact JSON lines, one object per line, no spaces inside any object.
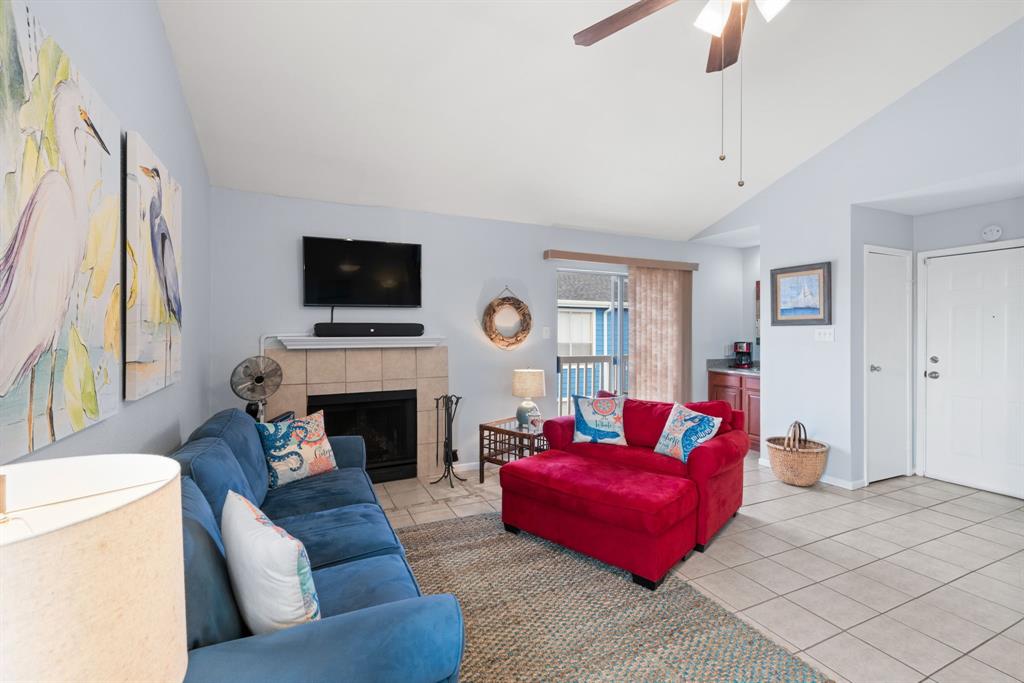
{"x":535,"y":611}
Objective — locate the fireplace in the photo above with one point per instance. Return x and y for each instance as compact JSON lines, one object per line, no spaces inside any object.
{"x":385,"y":419}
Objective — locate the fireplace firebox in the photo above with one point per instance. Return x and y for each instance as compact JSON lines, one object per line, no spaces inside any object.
{"x":387,"y":422}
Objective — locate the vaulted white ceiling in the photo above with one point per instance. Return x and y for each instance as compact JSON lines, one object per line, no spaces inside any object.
{"x":487,"y":109}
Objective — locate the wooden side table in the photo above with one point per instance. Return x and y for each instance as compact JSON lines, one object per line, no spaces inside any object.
{"x":502,"y":441}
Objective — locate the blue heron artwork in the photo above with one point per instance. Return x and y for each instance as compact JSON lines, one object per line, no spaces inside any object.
{"x":60,"y":246}
{"x":153,"y":305}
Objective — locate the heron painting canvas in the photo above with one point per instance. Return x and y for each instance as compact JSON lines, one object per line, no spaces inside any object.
{"x":153,"y":314}
{"x":60,"y":247}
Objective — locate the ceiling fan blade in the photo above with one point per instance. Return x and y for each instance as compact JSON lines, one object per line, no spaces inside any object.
{"x":726,"y":49}
{"x":619,"y":21}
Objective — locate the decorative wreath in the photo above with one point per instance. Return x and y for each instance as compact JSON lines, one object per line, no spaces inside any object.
{"x":525,"y":321}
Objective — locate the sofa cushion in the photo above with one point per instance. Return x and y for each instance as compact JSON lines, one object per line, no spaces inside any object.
{"x":614,"y":494}
{"x":364,"y":583}
{"x":238,"y":429}
{"x":644,"y":421}
{"x":345,"y":486}
{"x":211,"y":613}
{"x":343,"y":534}
{"x":631,"y":456}
{"x":715,"y":409}
{"x":215,"y":470}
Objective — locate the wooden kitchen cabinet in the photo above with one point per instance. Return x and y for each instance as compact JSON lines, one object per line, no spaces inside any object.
{"x":742,"y":392}
{"x":725,"y":387}
{"x":751,"y":396}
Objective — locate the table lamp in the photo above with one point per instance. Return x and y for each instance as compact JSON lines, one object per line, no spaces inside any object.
{"x":527,"y":385}
{"x":92,"y":570}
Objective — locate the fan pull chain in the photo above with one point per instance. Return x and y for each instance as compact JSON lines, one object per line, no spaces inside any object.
{"x":721,"y":154}
{"x":740,"y":182}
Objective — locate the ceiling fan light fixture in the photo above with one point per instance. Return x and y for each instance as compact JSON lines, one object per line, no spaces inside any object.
{"x":770,"y":8}
{"x":713,"y":17}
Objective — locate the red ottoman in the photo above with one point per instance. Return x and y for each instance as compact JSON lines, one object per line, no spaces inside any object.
{"x":643,"y":522}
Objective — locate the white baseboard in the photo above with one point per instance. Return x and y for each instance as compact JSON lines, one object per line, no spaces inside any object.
{"x":474,"y":466}
{"x":843,"y":483}
{"x":831,"y":481}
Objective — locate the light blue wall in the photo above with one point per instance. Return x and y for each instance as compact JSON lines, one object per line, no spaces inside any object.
{"x":121,"y":48}
{"x":751,"y":274}
{"x":466,"y":262}
{"x":959,"y":227}
{"x":962,"y":123}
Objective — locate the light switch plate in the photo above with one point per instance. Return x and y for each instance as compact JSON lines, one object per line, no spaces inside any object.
{"x":545,"y":332}
{"x":824,"y":334}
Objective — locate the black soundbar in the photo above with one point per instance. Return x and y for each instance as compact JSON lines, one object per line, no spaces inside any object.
{"x":368,"y":330}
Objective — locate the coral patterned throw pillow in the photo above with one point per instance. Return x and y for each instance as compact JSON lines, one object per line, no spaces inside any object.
{"x":685,"y":430}
{"x":296,"y":449}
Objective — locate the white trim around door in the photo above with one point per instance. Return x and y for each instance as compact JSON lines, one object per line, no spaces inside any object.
{"x":920,"y":407}
{"x":908,"y":257}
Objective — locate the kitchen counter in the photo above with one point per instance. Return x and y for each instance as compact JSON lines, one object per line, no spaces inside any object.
{"x":747,"y":372}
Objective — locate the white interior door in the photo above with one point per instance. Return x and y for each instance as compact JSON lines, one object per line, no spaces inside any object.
{"x":975,"y":370}
{"x":887,"y":355}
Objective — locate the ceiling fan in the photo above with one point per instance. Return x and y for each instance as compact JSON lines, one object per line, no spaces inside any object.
{"x":723,"y":19}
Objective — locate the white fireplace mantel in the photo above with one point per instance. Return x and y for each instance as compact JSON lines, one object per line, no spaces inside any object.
{"x":305,"y":341}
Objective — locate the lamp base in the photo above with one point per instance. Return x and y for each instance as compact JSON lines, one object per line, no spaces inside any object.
{"x":526,"y":412}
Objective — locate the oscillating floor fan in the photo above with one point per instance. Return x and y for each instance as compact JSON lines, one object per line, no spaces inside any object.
{"x":254,"y":380}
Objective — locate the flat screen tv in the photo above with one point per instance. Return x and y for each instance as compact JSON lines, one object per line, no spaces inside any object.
{"x":342,"y":272}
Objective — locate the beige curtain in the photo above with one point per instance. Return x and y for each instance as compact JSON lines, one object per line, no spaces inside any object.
{"x":660,"y":311}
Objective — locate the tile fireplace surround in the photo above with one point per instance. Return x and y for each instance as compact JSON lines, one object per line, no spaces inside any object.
{"x":345,"y":371}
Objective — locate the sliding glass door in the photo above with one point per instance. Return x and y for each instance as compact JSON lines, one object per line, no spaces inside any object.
{"x":593,"y":335}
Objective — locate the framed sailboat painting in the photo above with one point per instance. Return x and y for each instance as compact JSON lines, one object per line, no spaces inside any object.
{"x":802,"y":295}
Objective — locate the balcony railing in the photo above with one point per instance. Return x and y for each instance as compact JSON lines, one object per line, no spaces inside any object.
{"x":585,"y":376}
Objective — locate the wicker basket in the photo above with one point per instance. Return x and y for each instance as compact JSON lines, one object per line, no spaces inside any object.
{"x":795,"y":459}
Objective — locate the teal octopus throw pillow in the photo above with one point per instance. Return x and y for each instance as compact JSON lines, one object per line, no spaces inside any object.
{"x":296,"y":449}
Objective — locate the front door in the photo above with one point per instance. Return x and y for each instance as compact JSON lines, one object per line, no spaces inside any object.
{"x":887,"y":282}
{"x":975,"y":370}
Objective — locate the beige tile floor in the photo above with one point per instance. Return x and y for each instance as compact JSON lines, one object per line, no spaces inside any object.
{"x":909,"y":579}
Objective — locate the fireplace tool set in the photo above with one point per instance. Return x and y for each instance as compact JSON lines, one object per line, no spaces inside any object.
{"x":445,"y":407}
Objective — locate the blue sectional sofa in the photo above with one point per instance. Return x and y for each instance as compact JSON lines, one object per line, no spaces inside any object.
{"x":375,"y":625}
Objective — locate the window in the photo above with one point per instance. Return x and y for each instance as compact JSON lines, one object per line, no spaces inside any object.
{"x":575,"y":333}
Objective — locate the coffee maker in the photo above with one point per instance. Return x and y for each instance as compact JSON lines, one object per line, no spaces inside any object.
{"x":742,"y":351}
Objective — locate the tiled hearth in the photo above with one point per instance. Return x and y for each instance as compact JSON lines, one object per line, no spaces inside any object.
{"x":347,"y":371}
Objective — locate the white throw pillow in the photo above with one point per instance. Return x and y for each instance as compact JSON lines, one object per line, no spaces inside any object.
{"x":599,"y":420}
{"x":684,"y":430}
{"x":269,"y":569}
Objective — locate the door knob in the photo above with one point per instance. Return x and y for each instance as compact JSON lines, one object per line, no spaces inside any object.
{"x":933,"y":375}
{"x":875,"y":368}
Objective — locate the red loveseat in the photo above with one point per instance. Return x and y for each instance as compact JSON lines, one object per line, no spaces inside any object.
{"x":627,"y":505}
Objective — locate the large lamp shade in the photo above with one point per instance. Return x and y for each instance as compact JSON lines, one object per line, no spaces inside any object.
{"x":528,"y":383}
{"x":91,"y":570}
